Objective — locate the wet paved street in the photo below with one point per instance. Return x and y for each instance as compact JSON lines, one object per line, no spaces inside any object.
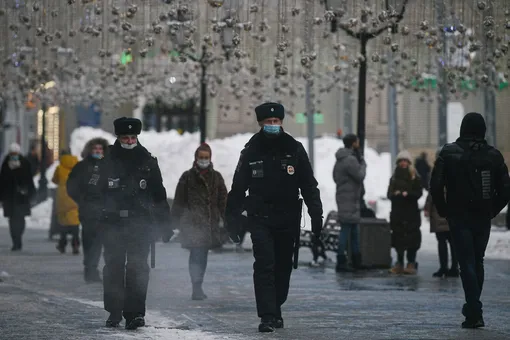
{"x":44,"y":297}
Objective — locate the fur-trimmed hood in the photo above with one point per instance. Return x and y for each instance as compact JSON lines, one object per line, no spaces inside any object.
{"x":90,"y":144}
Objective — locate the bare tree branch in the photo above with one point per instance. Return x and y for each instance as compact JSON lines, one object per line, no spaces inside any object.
{"x":349,"y":31}
{"x":399,"y":16}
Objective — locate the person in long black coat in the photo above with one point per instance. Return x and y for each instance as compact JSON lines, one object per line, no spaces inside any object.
{"x":16,"y":190}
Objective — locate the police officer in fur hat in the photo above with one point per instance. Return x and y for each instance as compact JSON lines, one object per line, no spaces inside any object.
{"x":275,"y":169}
{"x":135,"y":204}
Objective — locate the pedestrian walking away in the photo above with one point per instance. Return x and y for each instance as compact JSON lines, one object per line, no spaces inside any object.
{"x":275,"y":169}
{"x":82,"y":187}
{"x":404,"y":192}
{"x":475,"y":177}
{"x":199,"y":204}
{"x":135,"y":210}
{"x":16,"y":191}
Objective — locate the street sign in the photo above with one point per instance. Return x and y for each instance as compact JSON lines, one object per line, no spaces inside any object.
{"x":318,"y":118}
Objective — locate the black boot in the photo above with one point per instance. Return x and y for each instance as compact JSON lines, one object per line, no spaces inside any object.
{"x":267,"y":324}
{"x":453,"y":272}
{"x":278,"y":322}
{"x":134,"y":323}
{"x":473,"y":323}
{"x":92,"y":276}
{"x":198,"y":293}
{"x":114,"y":320}
{"x":440,"y":273}
{"x":342,"y":266}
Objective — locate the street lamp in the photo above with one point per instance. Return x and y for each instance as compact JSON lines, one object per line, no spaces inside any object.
{"x":205,"y":60}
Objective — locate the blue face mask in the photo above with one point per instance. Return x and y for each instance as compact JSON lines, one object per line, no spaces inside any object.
{"x":272,"y":129}
{"x":96,"y":155}
{"x":14,"y":157}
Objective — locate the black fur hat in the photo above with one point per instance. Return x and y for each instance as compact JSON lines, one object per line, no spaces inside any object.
{"x":269,"y":110}
{"x":127,"y":126}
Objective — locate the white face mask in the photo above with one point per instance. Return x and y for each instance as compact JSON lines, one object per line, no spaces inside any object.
{"x":128,"y":146}
{"x":203,"y":163}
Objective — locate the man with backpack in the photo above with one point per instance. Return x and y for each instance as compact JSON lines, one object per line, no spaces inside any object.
{"x":477,"y":189}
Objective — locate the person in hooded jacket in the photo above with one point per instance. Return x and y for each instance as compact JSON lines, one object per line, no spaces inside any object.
{"x":439,"y":226}
{"x":477,"y":185}
{"x":404,"y":192}
{"x":16,"y":190}
{"x":275,"y":169}
{"x":135,"y":211}
{"x":199,"y":204}
{"x":82,"y":187}
{"x":66,"y":207}
{"x":349,"y":173}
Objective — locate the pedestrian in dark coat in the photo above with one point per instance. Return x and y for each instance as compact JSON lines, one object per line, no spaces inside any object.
{"x":16,"y":191}
{"x":275,"y":169}
{"x":82,"y":187}
{"x":349,"y":172}
{"x":404,"y":191}
{"x":423,"y":169}
{"x":199,"y":204}
{"x":477,"y":185}
{"x":439,"y":226}
{"x":134,"y":206}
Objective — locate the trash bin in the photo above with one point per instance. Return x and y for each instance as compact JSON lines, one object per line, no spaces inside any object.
{"x":375,"y":243}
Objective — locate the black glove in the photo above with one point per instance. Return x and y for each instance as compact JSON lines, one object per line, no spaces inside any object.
{"x":232,"y":226}
{"x":167,"y":235}
{"x":317,"y":227}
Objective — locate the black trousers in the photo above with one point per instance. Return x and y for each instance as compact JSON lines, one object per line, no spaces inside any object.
{"x":470,"y":239}
{"x":126,"y":272}
{"x":17,"y":228}
{"x":198,"y":264}
{"x":74,"y":231}
{"x":411,"y":256}
{"x":273,"y":251}
{"x":92,"y":244}
{"x":442,"y":239}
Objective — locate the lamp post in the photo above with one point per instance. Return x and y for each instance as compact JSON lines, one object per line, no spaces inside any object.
{"x":205,"y":60}
{"x":43,"y":182}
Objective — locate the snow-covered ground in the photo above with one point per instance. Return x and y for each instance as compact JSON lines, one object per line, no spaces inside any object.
{"x":175,"y":155}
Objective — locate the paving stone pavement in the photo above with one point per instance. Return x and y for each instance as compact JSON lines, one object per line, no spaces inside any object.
{"x":44,"y":297}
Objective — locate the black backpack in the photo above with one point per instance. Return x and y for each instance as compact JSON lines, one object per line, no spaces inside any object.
{"x":477,"y":168}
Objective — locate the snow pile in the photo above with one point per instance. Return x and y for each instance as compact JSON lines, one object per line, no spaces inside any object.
{"x":175,"y":155}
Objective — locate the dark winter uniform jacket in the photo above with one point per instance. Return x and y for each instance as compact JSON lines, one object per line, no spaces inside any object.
{"x":16,"y":188}
{"x":82,"y":184}
{"x":274,"y":171}
{"x":405,"y":219}
{"x":132,"y":188}
{"x":438,"y":224}
{"x":199,"y":203}
{"x":451,"y":171}
{"x":348,"y":174}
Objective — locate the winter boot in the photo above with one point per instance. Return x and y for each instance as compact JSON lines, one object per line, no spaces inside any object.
{"x":134,"y":323}
{"x":411,"y":269}
{"x":267,"y":324}
{"x":198,"y":293}
{"x":92,"y":276}
{"x":61,"y":249}
{"x":278,"y":322}
{"x":342,"y":266}
{"x":114,"y":320}
{"x":440,"y":273}
{"x":357,"y":262}
{"x":397,"y":269}
{"x":453,"y":272}
{"x":473,"y":323}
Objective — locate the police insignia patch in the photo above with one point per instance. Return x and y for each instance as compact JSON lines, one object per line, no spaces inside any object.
{"x":290,"y":170}
{"x":143,"y":184}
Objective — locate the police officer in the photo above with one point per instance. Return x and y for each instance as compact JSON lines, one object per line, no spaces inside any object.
{"x":135,"y":202}
{"x":82,"y":187}
{"x":274,"y":168}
